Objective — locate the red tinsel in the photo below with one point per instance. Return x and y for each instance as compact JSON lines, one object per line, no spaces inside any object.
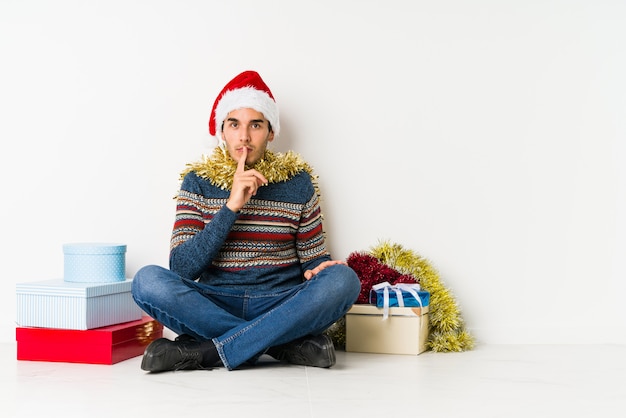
{"x":371,"y":272}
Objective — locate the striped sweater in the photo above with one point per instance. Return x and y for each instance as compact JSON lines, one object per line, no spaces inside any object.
{"x":266,"y":246}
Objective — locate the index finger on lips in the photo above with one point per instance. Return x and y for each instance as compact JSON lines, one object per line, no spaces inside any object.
{"x":241,"y":164}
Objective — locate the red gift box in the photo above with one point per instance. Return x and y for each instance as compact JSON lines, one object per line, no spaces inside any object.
{"x":105,"y":345}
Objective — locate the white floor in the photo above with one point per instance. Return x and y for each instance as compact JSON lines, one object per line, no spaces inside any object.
{"x":490,"y":381}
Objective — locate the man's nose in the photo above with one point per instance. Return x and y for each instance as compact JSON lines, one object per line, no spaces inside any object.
{"x":244,"y":135}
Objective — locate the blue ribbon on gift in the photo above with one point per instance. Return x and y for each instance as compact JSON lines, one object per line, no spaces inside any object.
{"x":394,"y":296}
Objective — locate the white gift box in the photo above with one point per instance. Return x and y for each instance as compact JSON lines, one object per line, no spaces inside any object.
{"x":404,"y":331}
{"x":66,"y":305}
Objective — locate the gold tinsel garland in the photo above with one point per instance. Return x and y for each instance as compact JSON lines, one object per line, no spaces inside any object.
{"x":447,"y":328}
{"x":448,"y":331}
{"x":219,"y":168}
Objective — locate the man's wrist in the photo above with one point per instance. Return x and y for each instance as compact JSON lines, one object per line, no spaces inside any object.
{"x":232,"y":206}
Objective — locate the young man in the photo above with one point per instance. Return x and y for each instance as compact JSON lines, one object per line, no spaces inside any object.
{"x":249,"y":270}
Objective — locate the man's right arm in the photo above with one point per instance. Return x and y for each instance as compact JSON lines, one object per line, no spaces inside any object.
{"x":194,"y":243}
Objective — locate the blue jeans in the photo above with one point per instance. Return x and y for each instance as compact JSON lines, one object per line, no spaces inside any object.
{"x":244,"y":324}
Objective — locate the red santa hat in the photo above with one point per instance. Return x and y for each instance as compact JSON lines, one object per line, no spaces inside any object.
{"x":247,"y":90}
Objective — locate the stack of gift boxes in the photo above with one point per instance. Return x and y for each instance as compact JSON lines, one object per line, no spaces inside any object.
{"x":89,"y":316}
{"x":394,"y":322}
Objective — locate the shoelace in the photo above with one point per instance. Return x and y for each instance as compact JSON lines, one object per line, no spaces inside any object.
{"x":190,"y":359}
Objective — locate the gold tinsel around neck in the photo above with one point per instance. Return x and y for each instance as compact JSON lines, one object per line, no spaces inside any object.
{"x":219,"y":168}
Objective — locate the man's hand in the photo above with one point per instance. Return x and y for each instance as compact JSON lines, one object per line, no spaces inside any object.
{"x":308,"y":275}
{"x":245,"y":184}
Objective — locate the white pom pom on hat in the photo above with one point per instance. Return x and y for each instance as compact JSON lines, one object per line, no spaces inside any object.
{"x":246,"y":90}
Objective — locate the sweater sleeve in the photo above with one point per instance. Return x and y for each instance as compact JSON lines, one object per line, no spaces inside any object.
{"x":197,"y":235}
{"x":310,"y":238}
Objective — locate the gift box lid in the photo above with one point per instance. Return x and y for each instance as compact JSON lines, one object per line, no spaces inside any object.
{"x":408,"y":299}
{"x":92,"y":248}
{"x":60,"y":287}
{"x":141,"y":329}
{"x":366,"y":309}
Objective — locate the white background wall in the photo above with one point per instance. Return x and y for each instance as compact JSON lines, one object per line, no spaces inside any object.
{"x":487,"y":136}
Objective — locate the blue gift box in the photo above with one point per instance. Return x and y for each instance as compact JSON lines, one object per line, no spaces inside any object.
{"x":60,"y":304}
{"x":399,"y":296}
{"x":94,"y":262}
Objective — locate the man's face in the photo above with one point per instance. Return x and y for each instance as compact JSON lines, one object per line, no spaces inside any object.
{"x":246,"y":128}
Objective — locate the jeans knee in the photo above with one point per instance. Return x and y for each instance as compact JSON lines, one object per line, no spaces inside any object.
{"x":352,"y":281}
{"x":142,"y":280}
{"x":345,"y":281}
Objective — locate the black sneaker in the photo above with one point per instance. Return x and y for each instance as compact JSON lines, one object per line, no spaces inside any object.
{"x":317,"y":351}
{"x":165,"y":355}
